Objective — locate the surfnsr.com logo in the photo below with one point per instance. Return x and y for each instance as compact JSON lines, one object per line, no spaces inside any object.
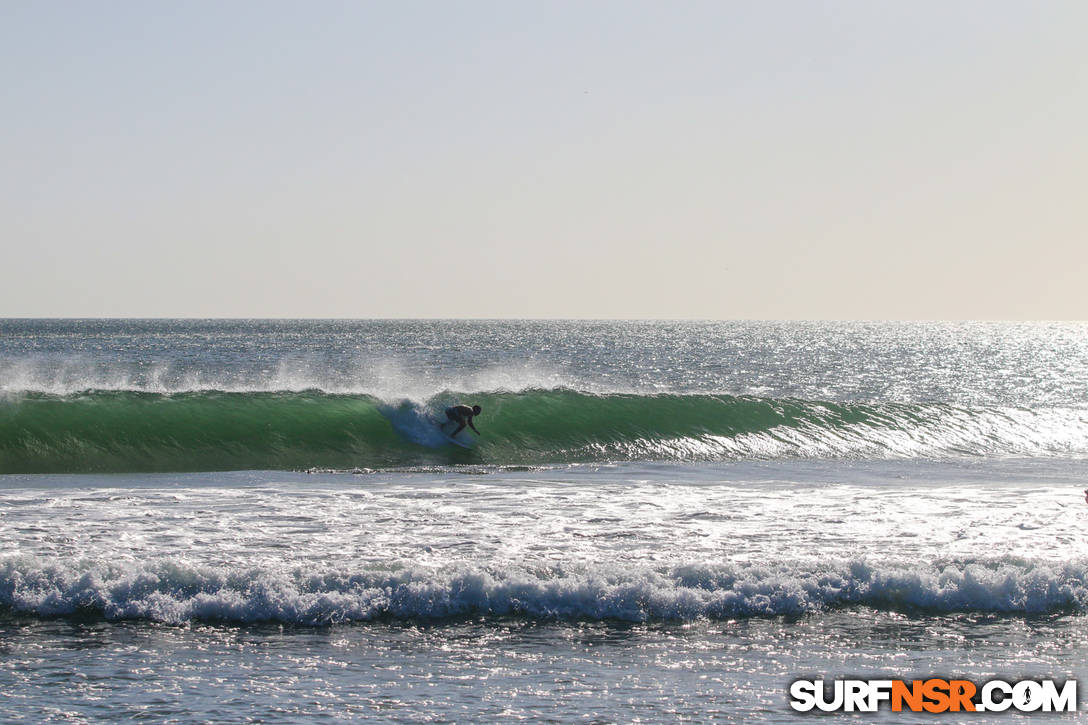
{"x":933,"y":695}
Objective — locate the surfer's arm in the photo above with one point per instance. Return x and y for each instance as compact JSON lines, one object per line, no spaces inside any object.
{"x":470,"y":425}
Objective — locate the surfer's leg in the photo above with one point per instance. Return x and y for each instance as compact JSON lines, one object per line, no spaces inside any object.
{"x":459,"y":429}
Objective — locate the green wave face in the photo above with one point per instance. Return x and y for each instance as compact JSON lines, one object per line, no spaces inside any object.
{"x":131,"y":431}
{"x":125,"y":431}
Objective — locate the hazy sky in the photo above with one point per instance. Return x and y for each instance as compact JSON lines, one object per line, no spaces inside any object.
{"x":762,"y":159}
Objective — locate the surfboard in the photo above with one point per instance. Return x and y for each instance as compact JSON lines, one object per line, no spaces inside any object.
{"x":447,"y":428}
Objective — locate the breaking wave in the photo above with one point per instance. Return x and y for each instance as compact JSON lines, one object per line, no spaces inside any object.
{"x":174,"y":592}
{"x":135,"y":431}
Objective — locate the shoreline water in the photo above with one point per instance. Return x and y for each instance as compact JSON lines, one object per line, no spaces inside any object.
{"x":589,"y":662}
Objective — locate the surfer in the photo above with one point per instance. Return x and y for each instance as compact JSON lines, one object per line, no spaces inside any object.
{"x":462,"y":414}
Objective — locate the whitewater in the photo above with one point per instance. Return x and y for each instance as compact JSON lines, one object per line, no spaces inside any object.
{"x":230,"y":520}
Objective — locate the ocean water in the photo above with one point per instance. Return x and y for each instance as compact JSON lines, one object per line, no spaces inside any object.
{"x":659,"y":521}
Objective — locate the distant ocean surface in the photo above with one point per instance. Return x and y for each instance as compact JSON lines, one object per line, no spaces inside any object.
{"x":260,"y":520}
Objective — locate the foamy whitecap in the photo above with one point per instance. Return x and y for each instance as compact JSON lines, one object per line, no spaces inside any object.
{"x":175,"y":592}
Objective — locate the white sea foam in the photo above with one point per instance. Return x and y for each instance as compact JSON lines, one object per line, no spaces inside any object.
{"x":174,"y":592}
{"x":416,"y":422}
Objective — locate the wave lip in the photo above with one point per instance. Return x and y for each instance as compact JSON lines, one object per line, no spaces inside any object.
{"x":176,"y":593}
{"x":129,"y":431}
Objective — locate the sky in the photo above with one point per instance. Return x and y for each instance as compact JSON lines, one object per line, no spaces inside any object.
{"x":766,"y":159}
